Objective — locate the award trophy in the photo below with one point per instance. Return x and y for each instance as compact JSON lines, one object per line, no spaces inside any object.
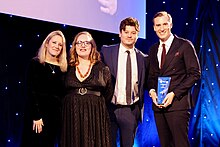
{"x":162,"y":89}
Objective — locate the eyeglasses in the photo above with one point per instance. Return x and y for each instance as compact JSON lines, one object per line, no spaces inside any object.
{"x":85,"y":43}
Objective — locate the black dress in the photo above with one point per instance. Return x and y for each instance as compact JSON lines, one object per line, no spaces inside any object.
{"x":85,"y":117}
{"x":44,"y":92}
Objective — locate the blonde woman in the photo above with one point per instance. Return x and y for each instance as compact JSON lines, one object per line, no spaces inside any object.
{"x":44,"y":88}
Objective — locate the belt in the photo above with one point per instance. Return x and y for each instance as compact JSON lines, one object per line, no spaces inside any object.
{"x":83,"y":91}
{"x":132,"y":106}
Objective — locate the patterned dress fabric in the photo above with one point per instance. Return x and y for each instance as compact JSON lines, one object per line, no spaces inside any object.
{"x":86,"y":120}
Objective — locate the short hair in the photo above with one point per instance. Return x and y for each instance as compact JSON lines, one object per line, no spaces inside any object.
{"x":162,"y":13}
{"x":94,"y":55}
{"x":62,"y":61}
{"x":129,"y":21}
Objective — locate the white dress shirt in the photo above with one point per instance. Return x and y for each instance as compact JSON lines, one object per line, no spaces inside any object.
{"x":119,"y":96}
{"x":160,"y":49}
{"x":167,"y":46}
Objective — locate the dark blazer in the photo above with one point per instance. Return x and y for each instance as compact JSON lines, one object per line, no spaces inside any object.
{"x":109,"y":56}
{"x":182,"y":65}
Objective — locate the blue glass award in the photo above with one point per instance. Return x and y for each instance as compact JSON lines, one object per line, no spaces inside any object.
{"x":162,"y":89}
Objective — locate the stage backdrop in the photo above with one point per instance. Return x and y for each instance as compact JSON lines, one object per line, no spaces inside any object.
{"x":197,"y":21}
{"x":103,"y":15}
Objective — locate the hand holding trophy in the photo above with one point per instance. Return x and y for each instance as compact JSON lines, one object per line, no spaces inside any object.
{"x":162,"y":89}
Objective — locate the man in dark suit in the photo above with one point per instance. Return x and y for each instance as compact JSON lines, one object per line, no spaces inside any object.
{"x":127,"y":101}
{"x":179,"y":62}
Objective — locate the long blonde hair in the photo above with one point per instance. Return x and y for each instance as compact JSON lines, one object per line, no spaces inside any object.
{"x":62,"y":61}
{"x":93,"y":57}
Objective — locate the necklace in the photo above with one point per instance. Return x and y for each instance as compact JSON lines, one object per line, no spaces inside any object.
{"x":86,"y":74}
{"x":52,"y":68}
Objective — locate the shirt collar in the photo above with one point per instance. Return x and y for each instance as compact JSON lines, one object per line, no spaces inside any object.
{"x":123,"y":49}
{"x":168,"y":42}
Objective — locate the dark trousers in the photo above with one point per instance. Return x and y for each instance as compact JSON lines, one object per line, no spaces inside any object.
{"x":125,"y":119}
{"x":172,"y":128}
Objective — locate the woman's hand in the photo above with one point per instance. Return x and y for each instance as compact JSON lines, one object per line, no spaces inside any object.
{"x":38,"y":125}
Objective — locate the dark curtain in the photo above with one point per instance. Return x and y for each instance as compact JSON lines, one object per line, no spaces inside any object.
{"x":198,"y":21}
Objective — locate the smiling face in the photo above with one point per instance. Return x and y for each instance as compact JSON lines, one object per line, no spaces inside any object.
{"x":129,"y":36}
{"x":83,"y":46}
{"x":54,"y":46}
{"x":162,"y":27}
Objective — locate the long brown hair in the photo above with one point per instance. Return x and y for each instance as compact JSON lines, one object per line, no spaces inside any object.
{"x":94,"y":55}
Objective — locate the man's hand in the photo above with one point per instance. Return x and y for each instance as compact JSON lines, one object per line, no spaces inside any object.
{"x":168,"y":100}
{"x":153,"y":95}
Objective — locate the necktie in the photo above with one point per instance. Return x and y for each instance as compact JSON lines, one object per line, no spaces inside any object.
{"x":128,"y":79}
{"x":163,"y":56}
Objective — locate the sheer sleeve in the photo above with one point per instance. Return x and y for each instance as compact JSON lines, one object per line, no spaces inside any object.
{"x":108,"y":90}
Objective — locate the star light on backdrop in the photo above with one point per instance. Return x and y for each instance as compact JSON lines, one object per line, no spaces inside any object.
{"x":196,"y":20}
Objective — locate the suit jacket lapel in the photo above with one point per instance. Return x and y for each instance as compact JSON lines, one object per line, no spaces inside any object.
{"x":170,"y":55}
{"x":154,"y":56}
{"x":139,"y":64}
{"x":114,"y":58}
